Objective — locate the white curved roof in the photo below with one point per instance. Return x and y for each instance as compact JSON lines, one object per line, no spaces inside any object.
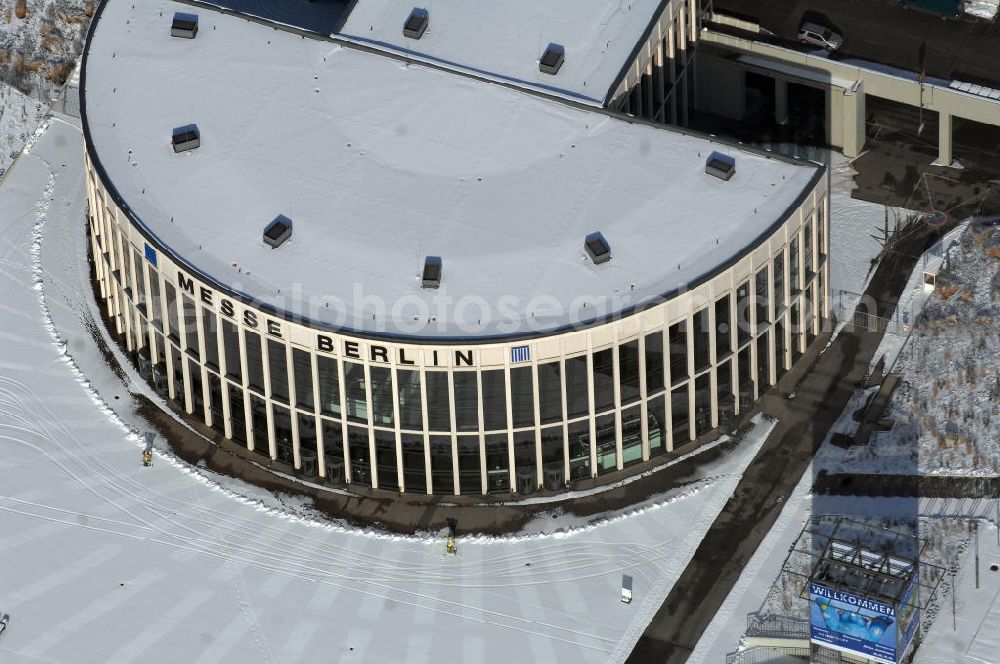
{"x":379,"y":164}
{"x":504,"y":40}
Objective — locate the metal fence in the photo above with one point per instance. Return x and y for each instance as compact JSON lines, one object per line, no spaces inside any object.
{"x":782,"y":627}
{"x":768,"y":654}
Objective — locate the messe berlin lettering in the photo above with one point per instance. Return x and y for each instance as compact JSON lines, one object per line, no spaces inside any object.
{"x":324,"y":342}
{"x":852,"y":600}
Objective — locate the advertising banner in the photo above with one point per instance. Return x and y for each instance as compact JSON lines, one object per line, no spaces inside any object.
{"x":852,"y":624}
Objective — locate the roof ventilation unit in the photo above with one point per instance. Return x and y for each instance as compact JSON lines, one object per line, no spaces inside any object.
{"x":278,"y":231}
{"x":720,"y":165}
{"x":432,"y":272}
{"x":186,"y":138}
{"x":552,"y":59}
{"x":416,"y":23}
{"x":184,"y":25}
{"x":597,"y":248}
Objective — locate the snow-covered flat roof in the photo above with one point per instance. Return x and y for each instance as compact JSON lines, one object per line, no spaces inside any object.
{"x":505,"y":40}
{"x":379,"y":164}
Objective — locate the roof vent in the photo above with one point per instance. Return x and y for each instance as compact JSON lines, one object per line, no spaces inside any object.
{"x":416,"y":23}
{"x":432,"y":272}
{"x":597,"y":248}
{"x":186,"y":138}
{"x":721,"y":166}
{"x":278,"y":231}
{"x":184,"y":25}
{"x":552,"y":59}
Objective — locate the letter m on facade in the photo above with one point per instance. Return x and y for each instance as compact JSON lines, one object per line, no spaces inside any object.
{"x":520,"y":354}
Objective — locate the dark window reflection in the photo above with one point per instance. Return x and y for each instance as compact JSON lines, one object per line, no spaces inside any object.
{"x":654,"y":362}
{"x":522,"y":399}
{"x":466,"y":401}
{"x":329,"y":385}
{"x":410,"y":415}
{"x":604,"y":385}
{"x":577,"y":398}
{"x":678,"y":352}
{"x":494,"y":400}
{"x":469,"y":473}
{"x":628,"y":371}
{"x":438,"y":404}
{"x":441,"y":468}
{"x":382,"y":393}
{"x":550,"y":392}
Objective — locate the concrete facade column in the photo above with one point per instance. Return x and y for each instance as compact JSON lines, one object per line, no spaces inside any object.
{"x":854,"y":120}
{"x":944,"y":140}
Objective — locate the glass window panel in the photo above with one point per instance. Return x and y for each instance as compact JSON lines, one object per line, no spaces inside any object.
{"x":744,"y":331}
{"x":410,"y":414}
{"x":172,"y":312}
{"x":631,"y":435}
{"x":820,"y":232}
{"x":178,"y":371}
{"x":604,"y":384}
{"x":763,"y":362}
{"x":258,"y":420}
{"x":550,"y":392}
{"x":333,"y":451}
{"x":744,"y":372}
{"x":382,"y":393}
{"x":282,"y":433}
{"x":197,"y":396}
{"x":469,"y":475}
{"x":466,"y":401}
{"x":723,"y":328}
{"x":497,"y":463}
{"x":654,"y":362}
{"x":628,"y":371}
{"x":793,"y":266}
{"x":779,"y":347}
{"x":438,"y":404}
{"x":231,"y":346}
{"x":522,"y":397}
{"x":237,"y":413}
{"x":255,"y":361}
{"x":724,"y":383}
{"x":307,"y":441}
{"x":779,"y":281}
{"x":357,"y":448}
{"x":441,"y":469}
{"x":553,"y":459}
{"x":577,"y":398}
{"x":414,"y":469}
{"x":140,"y":282}
{"x":702,"y":404}
{"x":209,"y":324}
{"x":155,"y":300}
{"x":701,"y":340}
{"x":656,"y":423}
{"x":678,"y":352}
{"x":680,"y":415}
{"x":354,"y":386}
{"x":302,"y":368}
{"x":385,"y":455}
{"x":190,"y":325}
{"x":525,"y":469}
{"x":215,"y":403}
{"x":761,"y":299}
{"x":278,"y":365}
{"x":494,"y":400}
{"x":807,"y":245}
{"x":579,"y":450}
{"x":607,"y":455}
{"x":329,"y":385}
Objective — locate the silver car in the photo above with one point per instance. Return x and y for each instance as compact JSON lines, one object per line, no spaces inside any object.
{"x":818,"y":35}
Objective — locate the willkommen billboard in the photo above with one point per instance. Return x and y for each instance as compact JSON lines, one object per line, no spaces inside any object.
{"x":852,"y":624}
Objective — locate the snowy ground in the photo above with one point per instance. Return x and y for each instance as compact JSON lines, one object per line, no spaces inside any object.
{"x":106,"y":561}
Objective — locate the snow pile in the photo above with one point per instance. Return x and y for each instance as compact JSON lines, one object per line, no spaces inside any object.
{"x":982,"y":8}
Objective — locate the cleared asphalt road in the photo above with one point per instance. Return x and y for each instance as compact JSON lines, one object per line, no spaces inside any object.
{"x":882,"y":31}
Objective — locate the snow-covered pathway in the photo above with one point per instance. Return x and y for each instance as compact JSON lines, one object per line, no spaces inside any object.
{"x":102,"y":560}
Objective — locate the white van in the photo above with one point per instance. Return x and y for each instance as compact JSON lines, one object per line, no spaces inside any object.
{"x":817,"y":35}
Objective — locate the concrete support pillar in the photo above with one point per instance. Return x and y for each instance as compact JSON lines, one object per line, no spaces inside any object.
{"x":944,"y":141}
{"x":854,"y":120}
{"x":780,"y":101}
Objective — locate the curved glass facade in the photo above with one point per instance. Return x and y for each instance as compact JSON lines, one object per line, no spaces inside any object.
{"x":466,"y":419}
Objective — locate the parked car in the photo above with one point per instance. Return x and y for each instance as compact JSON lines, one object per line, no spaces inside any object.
{"x":818,"y":35}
